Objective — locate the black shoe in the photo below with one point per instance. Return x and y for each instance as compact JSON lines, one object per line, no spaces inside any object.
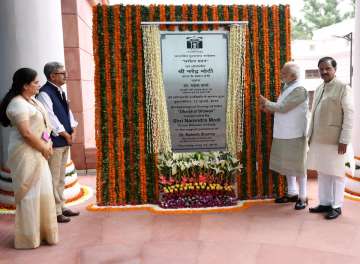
{"x":287,"y":199}
{"x":301,"y":204}
{"x":334,"y":213}
{"x":320,"y":209}
{"x":62,"y":219}
{"x":69,"y":213}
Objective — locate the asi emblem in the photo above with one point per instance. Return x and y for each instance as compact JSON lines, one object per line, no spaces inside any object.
{"x":194,"y":42}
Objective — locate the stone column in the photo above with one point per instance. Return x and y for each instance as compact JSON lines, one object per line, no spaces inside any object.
{"x":79,"y":62}
{"x":356,"y":80}
{"x":352,"y":187}
{"x":30,"y":35}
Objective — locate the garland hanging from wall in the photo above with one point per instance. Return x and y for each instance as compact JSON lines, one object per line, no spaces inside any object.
{"x":235,"y":102}
{"x":126,"y":164}
{"x":157,"y":116}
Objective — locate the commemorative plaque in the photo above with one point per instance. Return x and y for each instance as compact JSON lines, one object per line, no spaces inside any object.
{"x":195,"y":74}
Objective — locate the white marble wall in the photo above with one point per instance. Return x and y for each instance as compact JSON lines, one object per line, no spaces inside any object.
{"x":30,"y":35}
{"x":356,"y":80}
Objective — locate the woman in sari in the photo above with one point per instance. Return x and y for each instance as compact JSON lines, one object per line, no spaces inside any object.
{"x":29,"y":148}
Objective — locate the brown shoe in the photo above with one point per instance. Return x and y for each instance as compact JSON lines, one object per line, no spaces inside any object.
{"x":63,"y":219}
{"x":69,"y":213}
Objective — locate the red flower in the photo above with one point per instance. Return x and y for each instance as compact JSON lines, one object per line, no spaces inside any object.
{"x":202,"y":178}
{"x":163,"y":180}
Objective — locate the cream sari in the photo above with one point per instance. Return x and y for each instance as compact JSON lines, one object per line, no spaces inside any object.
{"x":35,"y":219}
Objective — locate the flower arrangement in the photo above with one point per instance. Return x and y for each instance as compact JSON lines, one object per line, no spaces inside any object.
{"x":199,"y":179}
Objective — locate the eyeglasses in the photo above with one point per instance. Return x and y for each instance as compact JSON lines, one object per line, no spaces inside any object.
{"x":63,"y":73}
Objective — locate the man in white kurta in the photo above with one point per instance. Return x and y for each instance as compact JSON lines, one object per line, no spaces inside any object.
{"x":288,"y":150}
{"x":329,"y":138}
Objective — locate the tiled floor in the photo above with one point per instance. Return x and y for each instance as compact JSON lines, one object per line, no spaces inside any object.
{"x":263,"y":233}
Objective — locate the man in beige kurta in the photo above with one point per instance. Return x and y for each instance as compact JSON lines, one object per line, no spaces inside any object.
{"x":330,"y":137}
{"x":288,"y":150}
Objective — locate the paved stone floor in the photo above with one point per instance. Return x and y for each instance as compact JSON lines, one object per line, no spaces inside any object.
{"x":263,"y":233}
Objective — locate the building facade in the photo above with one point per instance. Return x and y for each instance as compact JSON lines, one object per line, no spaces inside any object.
{"x":34,"y":32}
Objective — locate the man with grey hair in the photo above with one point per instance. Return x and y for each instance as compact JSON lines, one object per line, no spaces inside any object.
{"x":289,"y":148}
{"x":63,"y":124}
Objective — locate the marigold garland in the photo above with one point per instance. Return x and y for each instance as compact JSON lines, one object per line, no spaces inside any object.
{"x":114,"y":110}
{"x":235,"y":13}
{"x":141,"y":127}
{"x":348,"y":175}
{"x":205,"y":17}
{"x":184,"y":12}
{"x":111,"y":193}
{"x":8,"y":193}
{"x":288,"y":33}
{"x":352,"y":193}
{"x":226,"y":13}
{"x":135,"y":116}
{"x":276,"y":28}
{"x":194,"y":11}
{"x":214,"y":12}
{"x":98,"y":120}
{"x":76,"y":197}
{"x":7,"y":206}
{"x":259,"y":180}
{"x":152,"y":12}
{"x":162,"y":17}
{"x":120,"y":120}
{"x":71,"y":184}
{"x":266,"y":65}
{"x":247,"y":118}
{"x":172,"y":17}
{"x":129,"y":40}
{"x":275,"y":17}
{"x":124,"y":99}
{"x":157,"y":210}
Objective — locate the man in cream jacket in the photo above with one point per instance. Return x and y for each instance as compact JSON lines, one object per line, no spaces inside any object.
{"x":288,"y":149}
{"x":329,"y":138}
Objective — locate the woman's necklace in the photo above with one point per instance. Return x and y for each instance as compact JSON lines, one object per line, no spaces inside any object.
{"x":28,"y":99}
{"x":37,"y":107}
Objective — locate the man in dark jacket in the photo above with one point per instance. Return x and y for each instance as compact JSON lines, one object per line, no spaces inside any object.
{"x":63,"y":124}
